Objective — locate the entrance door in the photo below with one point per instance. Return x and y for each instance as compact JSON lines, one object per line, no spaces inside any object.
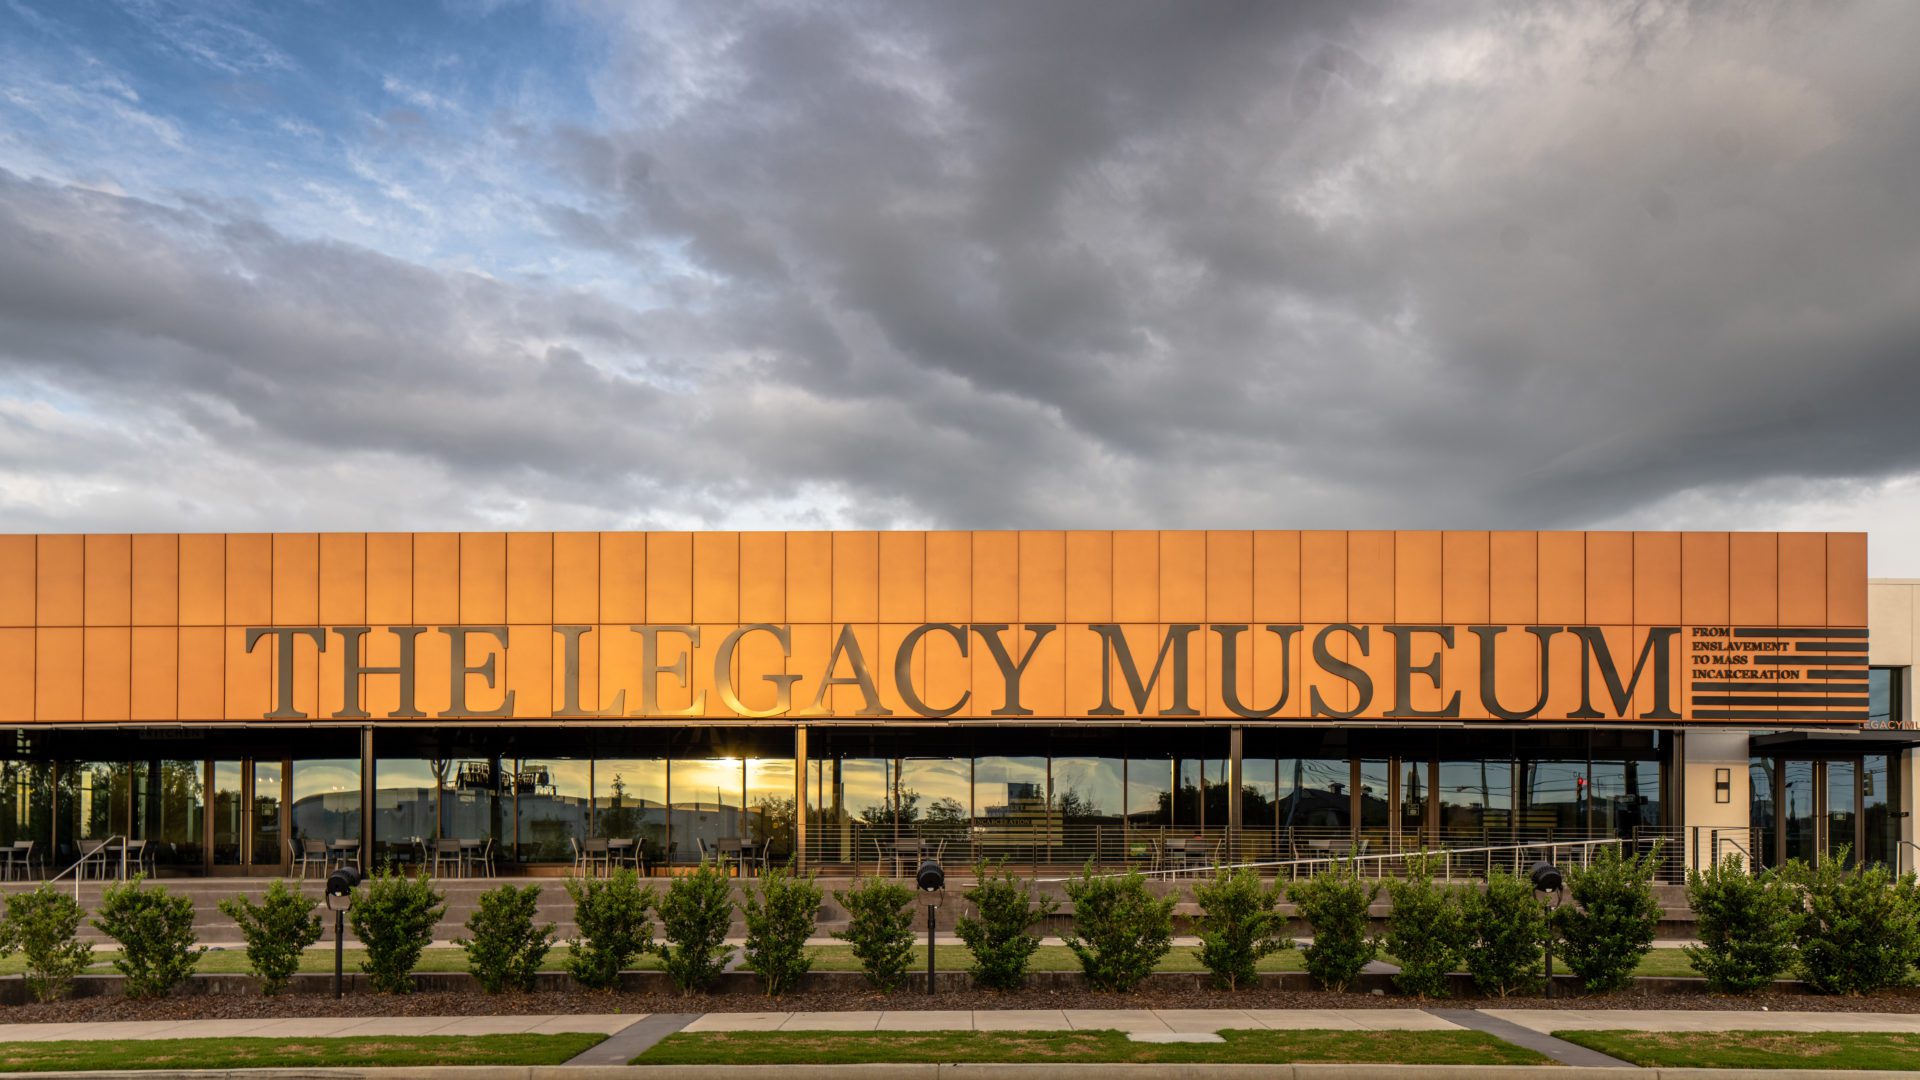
{"x":1798,"y":811}
{"x":1843,"y":791}
{"x":1819,"y":809}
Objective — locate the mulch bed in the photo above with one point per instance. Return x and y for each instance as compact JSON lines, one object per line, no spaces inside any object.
{"x":475,"y":1003}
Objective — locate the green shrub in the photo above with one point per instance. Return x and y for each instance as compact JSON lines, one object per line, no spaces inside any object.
{"x":277,"y":930}
{"x":1859,"y":932}
{"x":780,"y":915}
{"x":155,"y":932}
{"x":506,"y":947}
{"x":393,"y":915}
{"x":1424,"y":930}
{"x":1120,"y":930}
{"x":694,"y":916}
{"x":1334,"y":903}
{"x":1239,"y":923}
{"x":1504,"y":935}
{"x":999,"y":933}
{"x":1608,"y":922}
{"x":610,"y":915}
{"x":45,"y":925}
{"x":880,"y":929}
{"x":1747,"y":925}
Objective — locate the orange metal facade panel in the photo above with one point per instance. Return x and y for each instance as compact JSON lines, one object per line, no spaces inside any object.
{"x":16,"y":580}
{"x":1513,"y":577}
{"x":1043,"y":577}
{"x":1610,"y":578}
{"x":856,"y":577}
{"x":1656,"y":577}
{"x":156,"y":580}
{"x":155,"y":690}
{"x":249,"y":579}
{"x":1276,"y":577}
{"x":702,"y":689}
{"x":1183,"y":576}
{"x":1803,"y":579}
{"x":296,"y":579}
{"x":950,"y":576}
{"x":60,"y":580}
{"x":716,"y":577}
{"x":1466,"y":577}
{"x":1370,"y":576}
{"x":1703,"y":578}
{"x":1563,"y":577}
{"x":1847,"y":579}
{"x":812,"y":646}
{"x":1564,"y":658}
{"x":1230,"y":577}
{"x":436,"y":578}
{"x":529,"y":664}
{"x":1517,"y":670}
{"x":623,"y":578}
{"x":343,"y":579}
{"x":1377,"y":660}
{"x":1276,"y":675}
{"x":1089,"y":576}
{"x":576,"y":578}
{"x":586,"y":679}
{"x":810,"y":577}
{"x":903,"y":577}
{"x":1417,"y":577}
{"x":529,"y":578}
{"x":763,"y":577}
{"x":885,"y":678}
{"x":109,"y":588}
{"x":949,"y":677}
{"x":1754,"y":574}
{"x":434,"y":688}
{"x":390,"y":579}
{"x":1082,"y":649}
{"x":57,"y":659}
{"x":1323,"y":577}
{"x":1136,"y":576}
{"x":1043,"y":684}
{"x":996,"y":577}
{"x":16,"y":675}
{"x":203,"y":673}
{"x":249,"y":676}
{"x":483,"y":579}
{"x":203,"y":580}
{"x":332,"y":666}
{"x":306,"y":675}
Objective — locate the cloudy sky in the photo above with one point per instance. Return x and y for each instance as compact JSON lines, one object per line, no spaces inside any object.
{"x":1067,"y":263}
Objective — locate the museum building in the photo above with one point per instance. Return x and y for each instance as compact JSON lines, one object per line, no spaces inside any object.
{"x":226,"y":700}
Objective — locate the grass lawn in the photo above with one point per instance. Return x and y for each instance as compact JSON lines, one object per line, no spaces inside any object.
{"x":954,"y":957}
{"x":1662,"y":962}
{"x":1257,"y":1047}
{"x":1755,"y":1049}
{"x":292,"y":1053}
{"x":233,"y":961}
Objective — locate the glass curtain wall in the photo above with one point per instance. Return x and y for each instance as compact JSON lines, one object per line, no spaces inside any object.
{"x":771,"y":818}
{"x":268,"y":845}
{"x":707,"y":804}
{"x":1879,"y":803}
{"x":630,"y":801}
{"x":473,"y":802}
{"x":405,"y":813}
{"x":553,"y":795}
{"x":26,"y":804}
{"x":326,"y":800}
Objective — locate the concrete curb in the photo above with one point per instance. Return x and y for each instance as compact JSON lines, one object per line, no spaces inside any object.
{"x":957,"y":1071}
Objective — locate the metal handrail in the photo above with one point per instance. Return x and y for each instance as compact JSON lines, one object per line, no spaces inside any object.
{"x":1552,"y":849}
{"x":87,"y":855}
{"x":1904,"y":844}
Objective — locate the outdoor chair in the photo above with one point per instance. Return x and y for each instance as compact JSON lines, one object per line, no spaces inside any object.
{"x":20,"y":859}
{"x":449,"y":852}
{"x":594,"y":851}
{"x":312,"y":853}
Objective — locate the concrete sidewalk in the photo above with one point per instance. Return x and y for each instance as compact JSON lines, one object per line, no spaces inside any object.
{"x":321,"y":1027}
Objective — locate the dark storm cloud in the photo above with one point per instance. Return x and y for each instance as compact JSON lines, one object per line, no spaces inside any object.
{"x":1076,"y":263}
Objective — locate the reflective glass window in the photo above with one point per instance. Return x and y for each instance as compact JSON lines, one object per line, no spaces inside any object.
{"x":1797,"y":809}
{"x":1259,"y":799}
{"x":405,"y":823}
{"x":326,"y":799}
{"x":706,"y":796}
{"x":770,"y":806}
{"x":1376,"y":792}
{"x":630,"y":800}
{"x":1883,"y":697}
{"x":473,"y":801}
{"x":26,"y":804}
{"x":1149,"y":791}
{"x":176,"y":814}
{"x":229,"y":812}
{"x":1760,"y":812}
{"x":1475,"y":801}
{"x":1010,"y":807}
{"x":1880,"y":828}
{"x":1088,"y":795}
{"x":1316,"y":800}
{"x":93,"y":803}
{"x":1553,"y":800}
{"x":267,"y":793}
{"x":553,"y":796}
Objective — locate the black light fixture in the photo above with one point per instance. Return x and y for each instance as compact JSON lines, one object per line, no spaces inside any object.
{"x":1548,"y":879}
{"x":340,"y":886}
{"x":932,"y":881}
